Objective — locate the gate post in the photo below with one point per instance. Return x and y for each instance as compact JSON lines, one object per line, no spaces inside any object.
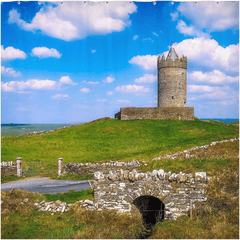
{"x":60,"y":161}
{"x":19,"y":166}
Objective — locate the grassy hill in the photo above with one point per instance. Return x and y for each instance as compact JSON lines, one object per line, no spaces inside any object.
{"x":116,"y":140}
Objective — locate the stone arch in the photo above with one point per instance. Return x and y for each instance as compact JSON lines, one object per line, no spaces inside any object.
{"x":151,"y":209}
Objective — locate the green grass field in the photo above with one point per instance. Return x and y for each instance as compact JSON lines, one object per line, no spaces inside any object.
{"x":125,"y":140}
{"x":116,"y":140}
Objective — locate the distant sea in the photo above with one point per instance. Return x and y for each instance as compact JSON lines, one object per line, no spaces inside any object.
{"x":225,"y":120}
{"x":17,"y":129}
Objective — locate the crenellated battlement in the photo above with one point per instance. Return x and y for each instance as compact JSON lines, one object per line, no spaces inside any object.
{"x":172,"y":63}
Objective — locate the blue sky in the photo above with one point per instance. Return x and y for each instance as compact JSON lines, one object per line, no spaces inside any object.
{"x":76,"y":61}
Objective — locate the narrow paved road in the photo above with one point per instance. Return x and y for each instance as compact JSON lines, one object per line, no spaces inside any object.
{"x":45,"y":185}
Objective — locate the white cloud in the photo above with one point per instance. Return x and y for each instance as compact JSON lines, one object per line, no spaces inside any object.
{"x":136,"y":89}
{"x":148,"y":39}
{"x":102,"y":100}
{"x":201,"y":88}
{"x":85,"y":90}
{"x":123,"y":101}
{"x":60,"y":96}
{"x":147,"y":78}
{"x":10,"y":72}
{"x":191,"y":31}
{"x":135,"y":37}
{"x":91,"y":82}
{"x":217,"y":94}
{"x":77,"y":20}
{"x":93,"y":51}
{"x":174,"y":15}
{"x":147,"y":62}
{"x":35,"y":84}
{"x":215,"y":77}
{"x":44,"y":52}
{"x":109,"y":93}
{"x":207,"y":52}
{"x":154,"y":33}
{"x":210,"y":15}
{"x":11,"y":53}
{"x":109,"y":79}
{"x":66,"y":80}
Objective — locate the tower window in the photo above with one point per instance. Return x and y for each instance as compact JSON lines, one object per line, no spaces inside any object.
{"x":172,"y":97}
{"x":180,"y":84}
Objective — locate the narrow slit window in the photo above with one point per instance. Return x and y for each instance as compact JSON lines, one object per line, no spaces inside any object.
{"x":172,"y":97}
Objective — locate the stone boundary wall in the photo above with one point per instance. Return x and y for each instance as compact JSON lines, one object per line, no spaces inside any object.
{"x":11,"y":168}
{"x":187,"y":153}
{"x":118,"y":189}
{"x":176,"y":113}
{"x":90,"y":168}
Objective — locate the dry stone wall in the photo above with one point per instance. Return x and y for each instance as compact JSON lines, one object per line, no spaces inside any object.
{"x":118,"y":189}
{"x":90,"y":168}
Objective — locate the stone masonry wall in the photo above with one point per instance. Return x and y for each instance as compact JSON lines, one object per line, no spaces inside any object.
{"x":8,"y":168}
{"x":177,"y":113}
{"x":90,"y":168}
{"x":118,"y":189}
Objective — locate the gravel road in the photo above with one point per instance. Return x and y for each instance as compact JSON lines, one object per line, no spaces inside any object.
{"x":46,"y":185}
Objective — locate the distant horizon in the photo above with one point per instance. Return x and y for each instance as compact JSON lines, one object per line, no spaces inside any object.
{"x":95,"y":119}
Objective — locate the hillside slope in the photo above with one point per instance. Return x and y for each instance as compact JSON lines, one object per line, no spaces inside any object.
{"x":116,"y":140}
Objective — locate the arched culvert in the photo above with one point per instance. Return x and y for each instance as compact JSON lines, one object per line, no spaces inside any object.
{"x":151,"y":208}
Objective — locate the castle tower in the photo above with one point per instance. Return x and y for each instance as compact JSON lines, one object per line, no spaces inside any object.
{"x":172,"y":80}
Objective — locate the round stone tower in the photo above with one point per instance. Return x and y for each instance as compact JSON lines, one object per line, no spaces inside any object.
{"x":172,"y":80}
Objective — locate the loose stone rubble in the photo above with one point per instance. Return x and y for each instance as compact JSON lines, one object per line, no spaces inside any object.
{"x":189,"y":154}
{"x":57,"y":206}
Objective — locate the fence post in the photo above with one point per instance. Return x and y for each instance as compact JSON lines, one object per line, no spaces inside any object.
{"x":19,"y":166}
{"x":60,"y":161}
{"x":191,"y":208}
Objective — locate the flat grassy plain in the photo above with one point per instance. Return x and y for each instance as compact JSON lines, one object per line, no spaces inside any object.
{"x":116,"y":140}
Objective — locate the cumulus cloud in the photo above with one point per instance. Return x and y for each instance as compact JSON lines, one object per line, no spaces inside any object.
{"x":91,"y":82}
{"x":147,"y":62}
{"x":85,"y":90}
{"x":214,"y":77}
{"x":207,"y":52}
{"x":44,"y":52}
{"x":200,"y":51}
{"x":109,"y":79}
{"x":174,"y":15}
{"x":60,"y":96}
{"x":210,"y":15}
{"x":208,"y":93}
{"x":66,"y":80}
{"x":109,"y":93}
{"x":77,"y":20}
{"x":10,"y":72}
{"x":15,"y":86}
{"x":190,"y":31}
{"x":11,"y":53}
{"x":135,"y":89}
{"x":135,"y":37}
{"x":201,"y":88}
{"x":147,"y":78}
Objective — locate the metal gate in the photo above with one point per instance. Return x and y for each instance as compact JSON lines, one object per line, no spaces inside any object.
{"x":39,"y":168}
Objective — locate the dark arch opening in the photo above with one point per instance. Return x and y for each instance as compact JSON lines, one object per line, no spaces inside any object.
{"x":151,"y":208}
